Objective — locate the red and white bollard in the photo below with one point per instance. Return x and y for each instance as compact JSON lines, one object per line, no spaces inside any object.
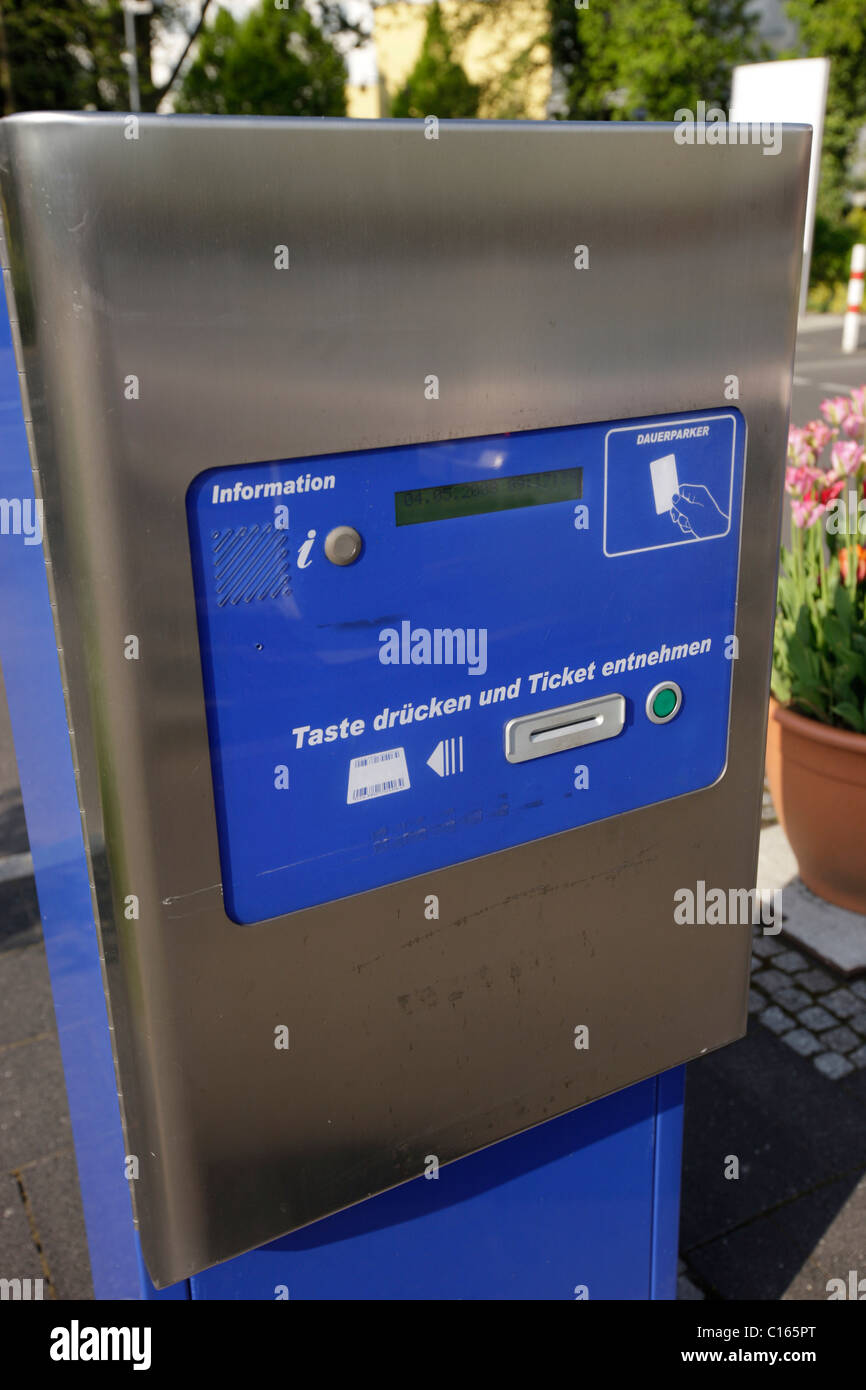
{"x":851,"y":321}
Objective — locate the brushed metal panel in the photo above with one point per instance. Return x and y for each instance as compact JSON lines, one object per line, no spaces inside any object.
{"x":154,"y":257}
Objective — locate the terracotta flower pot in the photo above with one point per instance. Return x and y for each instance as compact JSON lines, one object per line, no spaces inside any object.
{"x":817,"y":778}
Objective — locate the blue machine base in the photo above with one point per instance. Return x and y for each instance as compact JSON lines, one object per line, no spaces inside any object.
{"x":583,"y":1207}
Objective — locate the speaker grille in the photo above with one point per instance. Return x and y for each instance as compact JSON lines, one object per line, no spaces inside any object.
{"x":251,"y":563}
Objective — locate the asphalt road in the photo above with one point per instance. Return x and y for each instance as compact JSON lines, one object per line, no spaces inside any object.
{"x":821,"y":369}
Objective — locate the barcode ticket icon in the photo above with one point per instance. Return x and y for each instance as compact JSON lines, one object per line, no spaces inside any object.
{"x":378,"y":774}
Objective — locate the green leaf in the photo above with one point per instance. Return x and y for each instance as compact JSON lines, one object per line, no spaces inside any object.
{"x":850,"y":715}
{"x":842,"y":604}
{"x":781,"y":688}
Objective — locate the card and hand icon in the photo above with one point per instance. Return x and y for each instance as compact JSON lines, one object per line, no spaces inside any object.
{"x":663,"y":472}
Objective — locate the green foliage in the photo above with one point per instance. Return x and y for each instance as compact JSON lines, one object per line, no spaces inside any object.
{"x":819,"y":647}
{"x":66,"y":55}
{"x":566,"y":45}
{"x":41,"y":70}
{"x":646,"y":59}
{"x":275,"y":62}
{"x":836,"y":29}
{"x":62,"y":56}
{"x":437,"y":85}
{"x":831,"y":259}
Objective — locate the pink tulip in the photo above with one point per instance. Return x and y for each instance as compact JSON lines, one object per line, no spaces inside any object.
{"x":836,"y":410}
{"x":801,"y":480}
{"x":846,"y":457}
{"x":805,"y":512}
{"x":800,"y":451}
{"x":793,"y":481}
{"x":818,"y":434}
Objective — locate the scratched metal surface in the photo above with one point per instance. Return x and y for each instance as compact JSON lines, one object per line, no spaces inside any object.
{"x":154,"y":257}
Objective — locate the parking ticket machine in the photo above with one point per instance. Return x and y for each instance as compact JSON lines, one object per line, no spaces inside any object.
{"x":411,"y":511}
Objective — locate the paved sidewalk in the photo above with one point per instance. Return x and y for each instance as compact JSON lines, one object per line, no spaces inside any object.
{"x":795,"y":1216}
{"x":788,"y":1103}
{"x":809,"y":1009}
{"x":41,"y":1224}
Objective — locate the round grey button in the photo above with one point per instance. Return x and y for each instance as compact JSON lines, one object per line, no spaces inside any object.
{"x":343,"y":545}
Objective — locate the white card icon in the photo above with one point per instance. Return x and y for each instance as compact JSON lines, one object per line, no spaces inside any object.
{"x":663,"y":472}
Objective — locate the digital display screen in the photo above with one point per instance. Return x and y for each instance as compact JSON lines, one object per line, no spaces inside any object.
{"x":487,"y":495}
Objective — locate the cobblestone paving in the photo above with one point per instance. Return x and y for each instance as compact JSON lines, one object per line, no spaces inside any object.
{"x":809,"y":1007}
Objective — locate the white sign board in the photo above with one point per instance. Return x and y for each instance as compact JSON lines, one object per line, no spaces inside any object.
{"x":794,"y":91}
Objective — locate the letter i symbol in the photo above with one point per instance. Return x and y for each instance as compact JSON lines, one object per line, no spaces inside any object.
{"x":304,"y":560}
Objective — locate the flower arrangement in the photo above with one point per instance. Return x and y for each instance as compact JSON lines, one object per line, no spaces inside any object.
{"x":819,"y":649}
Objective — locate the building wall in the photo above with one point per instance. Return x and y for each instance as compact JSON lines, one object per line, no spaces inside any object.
{"x":364,"y":102}
{"x":505,"y":35}
{"x":775,"y":26}
{"x":492,"y":38}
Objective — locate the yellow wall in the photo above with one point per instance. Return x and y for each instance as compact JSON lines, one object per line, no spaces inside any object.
{"x":508,"y":32}
{"x":364,"y":103}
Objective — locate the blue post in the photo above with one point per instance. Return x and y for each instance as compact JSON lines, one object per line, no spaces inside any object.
{"x":28,"y":653}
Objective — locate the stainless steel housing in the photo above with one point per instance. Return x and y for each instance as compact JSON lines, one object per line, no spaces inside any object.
{"x":146,"y":250}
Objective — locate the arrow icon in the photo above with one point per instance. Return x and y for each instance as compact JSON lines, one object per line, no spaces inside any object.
{"x":447,"y":757}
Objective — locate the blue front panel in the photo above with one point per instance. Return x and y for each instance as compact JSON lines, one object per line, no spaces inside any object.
{"x":356,"y":712}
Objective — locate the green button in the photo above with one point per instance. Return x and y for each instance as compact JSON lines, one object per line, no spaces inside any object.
{"x":664,"y":704}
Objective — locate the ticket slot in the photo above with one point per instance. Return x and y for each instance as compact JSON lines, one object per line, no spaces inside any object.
{"x":567,"y":726}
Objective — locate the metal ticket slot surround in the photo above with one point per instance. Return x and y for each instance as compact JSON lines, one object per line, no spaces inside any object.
{"x":414,"y":579}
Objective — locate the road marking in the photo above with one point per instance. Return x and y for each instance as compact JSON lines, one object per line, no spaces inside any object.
{"x":846,"y":386}
{"x":819,"y":323}
{"x":829,"y":364}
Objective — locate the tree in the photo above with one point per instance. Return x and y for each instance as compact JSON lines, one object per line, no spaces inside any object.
{"x":836,"y":29}
{"x":35,"y":43}
{"x":437,"y":84}
{"x":275,"y":62}
{"x":567,"y":50}
{"x":646,"y":59}
{"x":66,"y":55}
